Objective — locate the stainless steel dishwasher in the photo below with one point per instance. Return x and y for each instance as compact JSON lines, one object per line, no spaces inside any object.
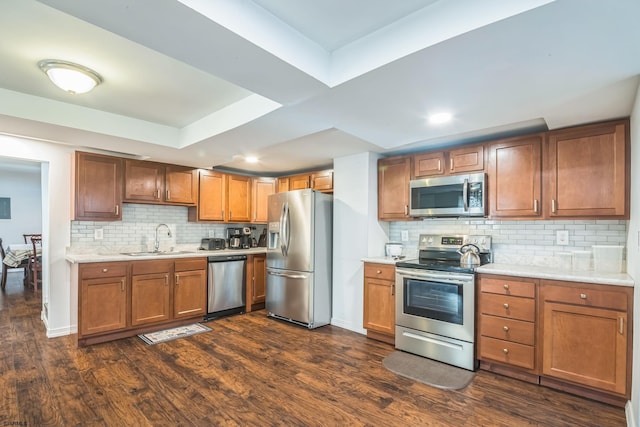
{"x":226,"y":285}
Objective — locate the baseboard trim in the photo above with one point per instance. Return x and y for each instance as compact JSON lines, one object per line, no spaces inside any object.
{"x":348,"y":325}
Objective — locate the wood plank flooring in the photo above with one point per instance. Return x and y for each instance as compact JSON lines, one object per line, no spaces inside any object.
{"x":250,"y":370}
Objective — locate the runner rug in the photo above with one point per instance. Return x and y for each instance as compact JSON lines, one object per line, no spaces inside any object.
{"x":428,"y":371}
{"x":173,"y":333}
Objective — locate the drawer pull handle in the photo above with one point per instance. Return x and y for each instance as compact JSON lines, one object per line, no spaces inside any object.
{"x":122,"y":285}
{"x":505,"y":305}
{"x":505,"y":350}
{"x":177,"y":279}
{"x":506,"y":287}
{"x":506,"y":328}
{"x":583,"y":296}
{"x":104,"y":270}
{"x":378,"y":272}
{"x":621,"y":330}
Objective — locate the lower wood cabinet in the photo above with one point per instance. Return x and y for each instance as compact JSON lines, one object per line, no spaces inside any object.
{"x":256,"y":281}
{"x":122,"y":299}
{"x":380,"y":301}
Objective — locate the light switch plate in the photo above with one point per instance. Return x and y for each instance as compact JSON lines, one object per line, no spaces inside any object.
{"x":98,"y":234}
{"x":404,"y":235}
{"x":212,"y":233}
{"x":562,"y":237}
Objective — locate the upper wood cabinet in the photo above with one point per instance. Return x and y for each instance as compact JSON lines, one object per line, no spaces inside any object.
{"x":262,"y":188}
{"x":283,"y":184}
{"x":320,"y":180}
{"x":222,"y":197}
{"x":150,"y":182}
{"x":515,"y":177}
{"x":97,"y":187}
{"x":238,"y":198}
{"x":299,"y":182}
{"x":394,"y":174}
{"x":588,"y":171}
{"x":459,"y":160}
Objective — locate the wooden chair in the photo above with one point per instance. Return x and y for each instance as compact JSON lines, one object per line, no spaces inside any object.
{"x":27,"y":237}
{"x":35,"y":262}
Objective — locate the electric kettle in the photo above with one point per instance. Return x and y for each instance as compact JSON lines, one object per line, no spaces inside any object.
{"x":470,"y":255}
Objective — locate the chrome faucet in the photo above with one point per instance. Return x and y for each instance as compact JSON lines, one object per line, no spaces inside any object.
{"x":156,"y":244}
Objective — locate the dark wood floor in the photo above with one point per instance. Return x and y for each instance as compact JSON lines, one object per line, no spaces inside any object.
{"x":250,"y":370}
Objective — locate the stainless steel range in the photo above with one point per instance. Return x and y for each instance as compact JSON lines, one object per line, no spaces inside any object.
{"x":435,"y":300}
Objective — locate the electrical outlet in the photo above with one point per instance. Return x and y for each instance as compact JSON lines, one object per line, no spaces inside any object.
{"x":98,"y":234}
{"x":404,"y":235}
{"x":212,"y":233}
{"x":562,"y":237}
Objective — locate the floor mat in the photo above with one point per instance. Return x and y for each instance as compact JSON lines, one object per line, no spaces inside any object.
{"x":173,"y":333}
{"x":428,"y":371}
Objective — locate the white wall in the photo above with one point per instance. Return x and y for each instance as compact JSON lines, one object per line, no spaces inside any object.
{"x":56,"y":202}
{"x":356,"y":234}
{"x":22,"y":186}
{"x":633,"y":260}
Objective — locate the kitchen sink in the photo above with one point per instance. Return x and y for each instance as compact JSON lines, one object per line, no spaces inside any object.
{"x":154,"y":253}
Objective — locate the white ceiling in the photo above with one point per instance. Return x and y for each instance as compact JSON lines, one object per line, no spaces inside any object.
{"x":301,"y":82}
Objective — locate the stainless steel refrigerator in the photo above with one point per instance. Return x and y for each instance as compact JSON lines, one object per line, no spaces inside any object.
{"x":299,"y":257}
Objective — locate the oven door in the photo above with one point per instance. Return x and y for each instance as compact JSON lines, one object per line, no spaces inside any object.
{"x":438,"y":302}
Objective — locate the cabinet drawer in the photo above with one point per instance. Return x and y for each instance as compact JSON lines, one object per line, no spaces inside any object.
{"x":507,"y":329}
{"x":95,"y":271}
{"x":508,"y":306}
{"x":507,"y":352}
{"x":189,"y":264}
{"x":380,"y":271}
{"x":505,"y":286}
{"x":585,"y":296}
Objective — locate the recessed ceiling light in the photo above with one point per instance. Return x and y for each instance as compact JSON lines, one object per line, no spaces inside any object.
{"x":70,"y":77}
{"x":440,"y":118}
{"x":251,"y":159}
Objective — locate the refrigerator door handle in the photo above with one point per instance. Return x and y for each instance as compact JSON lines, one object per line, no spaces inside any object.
{"x":290,"y":276}
{"x":283,"y":248}
{"x":287,"y":220}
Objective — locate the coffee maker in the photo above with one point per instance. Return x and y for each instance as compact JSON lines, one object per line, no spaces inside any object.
{"x":239,"y":237}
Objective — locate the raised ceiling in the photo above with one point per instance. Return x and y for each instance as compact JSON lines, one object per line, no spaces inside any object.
{"x":298,"y":83}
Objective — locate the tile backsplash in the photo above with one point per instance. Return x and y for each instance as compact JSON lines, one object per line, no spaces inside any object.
{"x":136,"y":231}
{"x":519,"y":242}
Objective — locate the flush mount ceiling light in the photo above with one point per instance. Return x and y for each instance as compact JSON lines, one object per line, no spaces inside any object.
{"x":70,"y":77}
{"x":251,"y":159}
{"x":440,"y":118}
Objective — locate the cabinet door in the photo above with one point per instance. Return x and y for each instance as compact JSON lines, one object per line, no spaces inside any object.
{"x":150,"y":295}
{"x":103,"y":305}
{"x":262,"y":189}
{"x":211,"y":196}
{"x":180,"y":185}
{"x":190,"y":294}
{"x":515,"y":177}
{"x":467,"y":159}
{"x":143,"y":181}
{"x":238,"y":198}
{"x":299,"y":182}
{"x":428,"y":164}
{"x":393,"y":188}
{"x":322,"y":181}
{"x":283,"y":184}
{"x":379,"y":305}
{"x":588,"y":171}
{"x":259,"y":279}
{"x":98,"y":187}
{"x":585,"y":345}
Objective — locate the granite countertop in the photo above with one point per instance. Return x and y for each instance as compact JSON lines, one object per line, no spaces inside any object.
{"x":542,"y":272}
{"x":382,"y":260}
{"x":80,"y":258}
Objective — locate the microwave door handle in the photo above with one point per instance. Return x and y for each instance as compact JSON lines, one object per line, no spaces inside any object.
{"x":465,"y":194}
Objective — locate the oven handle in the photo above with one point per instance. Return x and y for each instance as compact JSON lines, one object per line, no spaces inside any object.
{"x":444,"y":278}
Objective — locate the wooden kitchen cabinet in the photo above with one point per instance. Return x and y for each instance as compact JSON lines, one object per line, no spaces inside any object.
{"x":380,"y":301}
{"x":222,"y":198}
{"x":262,"y":188}
{"x":515,"y":177}
{"x":158,"y":183}
{"x":394,"y":174}
{"x":319,"y":180}
{"x":322,"y":181}
{"x":256,"y":281}
{"x":283,"y":184}
{"x":460,"y":160}
{"x":588,"y":171}
{"x":102,"y":297}
{"x":151,"y":284}
{"x":190,"y":288}
{"x":507,"y":323}
{"x":587,"y":332}
{"x":299,"y":182}
{"x":97,"y":187}
{"x":238,"y":198}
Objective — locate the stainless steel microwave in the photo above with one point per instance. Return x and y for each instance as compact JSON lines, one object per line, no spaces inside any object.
{"x":456,"y":195}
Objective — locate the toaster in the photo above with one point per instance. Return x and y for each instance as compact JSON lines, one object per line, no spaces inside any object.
{"x":212,"y":244}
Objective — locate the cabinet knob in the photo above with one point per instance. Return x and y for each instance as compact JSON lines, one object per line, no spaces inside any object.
{"x":506,"y":328}
{"x":104,"y":270}
{"x":378,"y":272}
{"x":505,"y":350}
{"x":506,"y":287}
{"x":505,"y":305}
{"x":583,"y":296}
